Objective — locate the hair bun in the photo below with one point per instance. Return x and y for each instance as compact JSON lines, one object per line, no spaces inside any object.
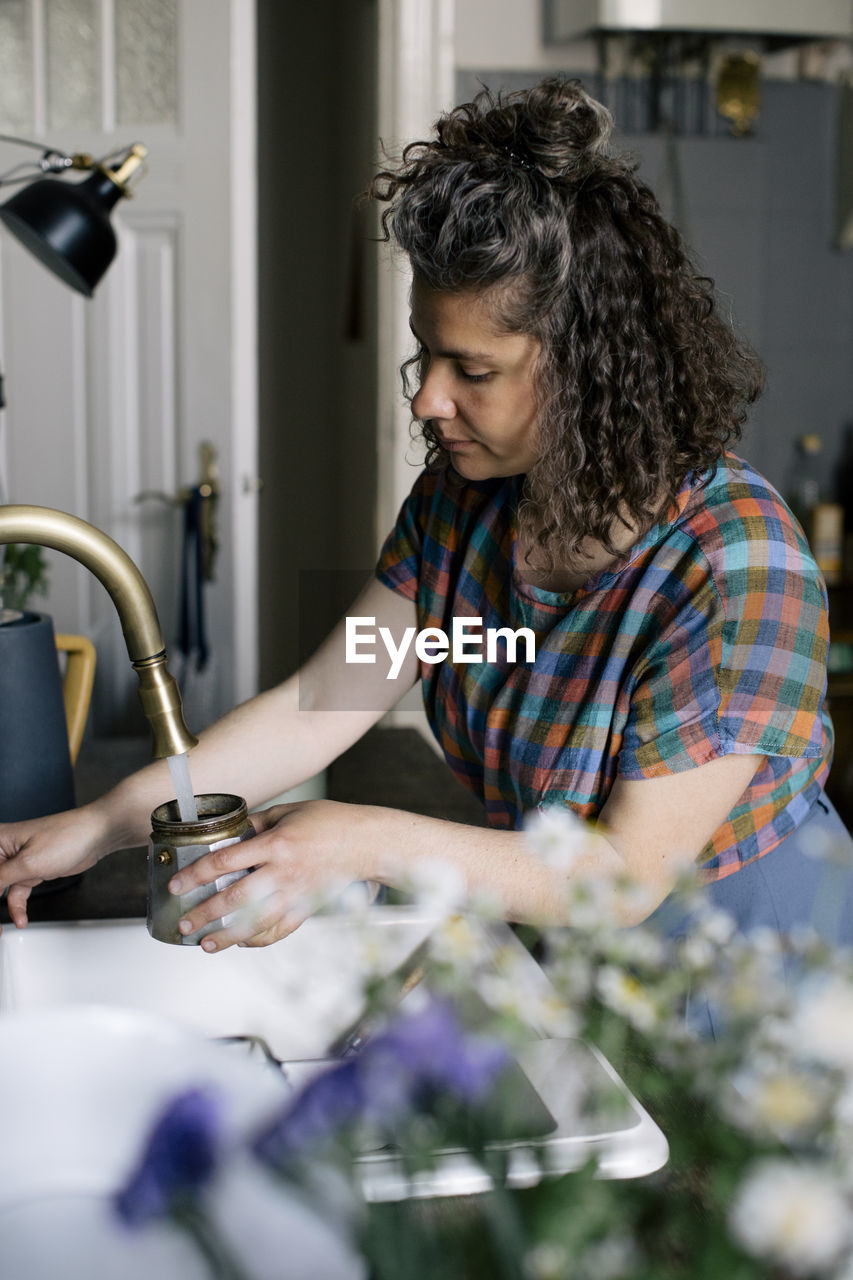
{"x":560,"y":126}
{"x":555,"y":128}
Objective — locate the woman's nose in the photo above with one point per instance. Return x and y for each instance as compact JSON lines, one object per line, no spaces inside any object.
{"x":431,"y":400}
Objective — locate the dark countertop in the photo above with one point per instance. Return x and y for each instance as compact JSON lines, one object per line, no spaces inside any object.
{"x":392,"y":767}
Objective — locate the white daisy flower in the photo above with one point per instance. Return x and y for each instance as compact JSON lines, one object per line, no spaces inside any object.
{"x":608,"y":1259}
{"x":844,"y":1108}
{"x":543,"y":1010}
{"x":698,"y":954}
{"x":625,"y":994}
{"x":437,"y":886}
{"x":459,"y":940}
{"x":643,"y":947}
{"x":717,"y":925}
{"x":557,"y":836}
{"x":753,"y":986}
{"x":573,"y":975}
{"x":546,"y":1261}
{"x":777,"y":1100}
{"x":824,"y":847}
{"x":793,"y":1214}
{"x":822,"y":1023}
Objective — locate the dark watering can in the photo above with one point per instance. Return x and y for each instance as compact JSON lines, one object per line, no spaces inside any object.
{"x":41,"y":716}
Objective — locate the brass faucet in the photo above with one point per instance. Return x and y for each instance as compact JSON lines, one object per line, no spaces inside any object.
{"x":158,"y":690}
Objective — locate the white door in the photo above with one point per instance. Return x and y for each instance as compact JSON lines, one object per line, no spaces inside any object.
{"x":112,"y":397}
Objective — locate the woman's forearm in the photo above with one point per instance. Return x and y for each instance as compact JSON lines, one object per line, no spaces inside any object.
{"x":501,"y":864}
{"x":258,"y":750}
{"x":305,"y":853}
{"x":284,"y":736}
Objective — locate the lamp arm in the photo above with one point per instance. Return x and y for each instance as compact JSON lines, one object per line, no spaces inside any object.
{"x":25,"y":142}
{"x":52,"y":161}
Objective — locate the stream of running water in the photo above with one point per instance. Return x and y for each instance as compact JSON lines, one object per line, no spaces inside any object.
{"x":180,"y":771}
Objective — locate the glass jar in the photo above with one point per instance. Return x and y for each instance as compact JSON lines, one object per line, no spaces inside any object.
{"x":174,"y":844}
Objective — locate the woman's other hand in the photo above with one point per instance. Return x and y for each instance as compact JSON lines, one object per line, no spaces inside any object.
{"x":61,"y":844}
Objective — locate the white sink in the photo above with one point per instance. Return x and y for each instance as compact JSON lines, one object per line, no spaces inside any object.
{"x":82,"y":1087}
{"x":298,"y":996}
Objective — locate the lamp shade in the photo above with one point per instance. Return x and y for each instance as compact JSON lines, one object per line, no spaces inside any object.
{"x":67,"y":226}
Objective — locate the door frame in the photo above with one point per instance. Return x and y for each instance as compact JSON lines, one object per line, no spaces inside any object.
{"x":243,"y":464}
{"x":416,"y":83}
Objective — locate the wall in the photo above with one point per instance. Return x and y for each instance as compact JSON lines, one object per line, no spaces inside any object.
{"x":807,"y":294}
{"x":511,"y":34}
{"x":759,"y":213}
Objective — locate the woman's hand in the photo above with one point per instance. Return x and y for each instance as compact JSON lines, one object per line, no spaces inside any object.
{"x":303,"y":854}
{"x":62,"y":844}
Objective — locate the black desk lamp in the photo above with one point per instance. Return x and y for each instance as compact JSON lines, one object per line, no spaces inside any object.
{"x":66,"y":225}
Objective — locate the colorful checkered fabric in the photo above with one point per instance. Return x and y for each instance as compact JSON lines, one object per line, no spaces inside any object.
{"x":709,"y":638}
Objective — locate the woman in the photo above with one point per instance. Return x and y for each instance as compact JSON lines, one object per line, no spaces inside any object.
{"x":577,"y":391}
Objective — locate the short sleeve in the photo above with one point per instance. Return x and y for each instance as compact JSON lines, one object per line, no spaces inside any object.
{"x":399,"y":561}
{"x":740,"y":666}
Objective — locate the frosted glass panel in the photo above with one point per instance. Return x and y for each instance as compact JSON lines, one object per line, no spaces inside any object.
{"x":73,"y":63}
{"x":16,"y":66}
{"x":146,"y":61}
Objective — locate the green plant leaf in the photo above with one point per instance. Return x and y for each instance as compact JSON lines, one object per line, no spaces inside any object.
{"x":23,"y":574}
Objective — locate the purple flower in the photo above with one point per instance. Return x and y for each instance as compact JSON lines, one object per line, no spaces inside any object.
{"x":331,"y":1101}
{"x":419,"y":1055}
{"x":181,"y":1156}
{"x":440,"y":1054}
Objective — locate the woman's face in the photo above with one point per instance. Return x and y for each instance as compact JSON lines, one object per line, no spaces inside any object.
{"x":476,"y":386}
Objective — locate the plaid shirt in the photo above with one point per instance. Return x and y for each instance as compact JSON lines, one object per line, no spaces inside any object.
{"x":709,"y":638}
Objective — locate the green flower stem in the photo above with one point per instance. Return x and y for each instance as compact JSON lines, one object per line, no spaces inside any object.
{"x":188,"y":1215}
{"x":501,"y":1212}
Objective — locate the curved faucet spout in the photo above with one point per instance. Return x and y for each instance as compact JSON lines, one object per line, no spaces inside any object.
{"x":158,"y":691}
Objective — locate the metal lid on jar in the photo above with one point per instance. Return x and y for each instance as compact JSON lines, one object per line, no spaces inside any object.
{"x":218,"y":815}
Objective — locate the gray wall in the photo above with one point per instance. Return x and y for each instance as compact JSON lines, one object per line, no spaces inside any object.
{"x":807,"y":284}
{"x":759,"y":213}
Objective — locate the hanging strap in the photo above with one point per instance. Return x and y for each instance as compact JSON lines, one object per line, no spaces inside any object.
{"x":192,"y":638}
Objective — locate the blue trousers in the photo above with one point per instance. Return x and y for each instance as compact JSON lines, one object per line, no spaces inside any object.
{"x":791,"y":885}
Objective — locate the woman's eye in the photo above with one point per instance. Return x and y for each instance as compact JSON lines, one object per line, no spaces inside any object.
{"x":475,"y":377}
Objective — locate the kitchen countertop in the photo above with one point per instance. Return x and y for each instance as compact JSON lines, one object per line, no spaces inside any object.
{"x":393,"y":767}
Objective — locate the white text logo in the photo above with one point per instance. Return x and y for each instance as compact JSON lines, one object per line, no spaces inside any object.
{"x":433,"y":645}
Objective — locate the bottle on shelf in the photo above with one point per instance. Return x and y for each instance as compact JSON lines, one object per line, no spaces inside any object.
{"x":822,"y":520}
{"x":844,"y":496}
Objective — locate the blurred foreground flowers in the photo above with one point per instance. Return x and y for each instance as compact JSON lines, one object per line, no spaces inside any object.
{"x":758,"y":1116}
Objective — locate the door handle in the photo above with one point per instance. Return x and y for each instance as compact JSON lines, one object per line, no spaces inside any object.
{"x":208,"y":493}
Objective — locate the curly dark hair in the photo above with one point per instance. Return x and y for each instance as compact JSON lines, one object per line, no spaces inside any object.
{"x":639,"y":381}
